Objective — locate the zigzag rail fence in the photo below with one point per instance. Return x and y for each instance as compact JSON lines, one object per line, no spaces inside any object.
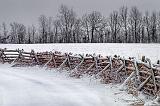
{"x":138,"y":75}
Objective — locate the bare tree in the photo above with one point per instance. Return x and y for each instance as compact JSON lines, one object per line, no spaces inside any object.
{"x":154,"y":27}
{"x":18,"y":32}
{"x":77,"y":32}
{"x":158,"y":28}
{"x":121,"y":26}
{"x":56,"y":31}
{"x":50,"y":29}
{"x":43,"y":28}
{"x":147,"y":26}
{"x":29,"y":33}
{"x":86,"y":28}
{"x":92,"y":23}
{"x":123,"y":14}
{"x":67,"y":19}
{"x":135,"y":23}
{"x":33,"y":32}
{"x":114,"y":25}
{"x":5,"y":35}
{"x":21,"y":33}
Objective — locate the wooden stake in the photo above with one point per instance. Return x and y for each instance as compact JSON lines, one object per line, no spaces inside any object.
{"x":141,"y":85}
{"x":48,"y":61}
{"x":110,"y":60}
{"x":120,"y":68}
{"x":90,"y":66}
{"x":68,"y":59}
{"x":108,"y":65}
{"x":125,"y":82}
{"x":137,"y":72}
{"x":80,"y":62}
{"x":54,"y":61}
{"x":96,"y":63}
{"x":153,"y":77}
{"x":61,"y":66}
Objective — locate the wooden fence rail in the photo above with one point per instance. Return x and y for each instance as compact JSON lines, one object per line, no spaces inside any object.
{"x":143,"y":75}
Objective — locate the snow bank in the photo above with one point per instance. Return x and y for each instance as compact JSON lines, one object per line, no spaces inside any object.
{"x":36,"y":86}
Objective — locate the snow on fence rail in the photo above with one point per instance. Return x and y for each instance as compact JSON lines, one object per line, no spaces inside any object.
{"x":137,"y":75}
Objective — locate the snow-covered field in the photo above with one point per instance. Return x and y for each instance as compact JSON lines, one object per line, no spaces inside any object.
{"x":36,"y":86}
{"x":151,"y":51}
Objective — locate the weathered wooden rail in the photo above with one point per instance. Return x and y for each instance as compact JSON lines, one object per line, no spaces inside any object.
{"x":142,"y":75}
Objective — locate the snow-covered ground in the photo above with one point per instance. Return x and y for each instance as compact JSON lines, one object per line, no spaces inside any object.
{"x":35,"y":86}
{"x":151,"y":51}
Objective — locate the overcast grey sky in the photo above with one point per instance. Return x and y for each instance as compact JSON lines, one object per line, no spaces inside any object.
{"x":28,"y":11}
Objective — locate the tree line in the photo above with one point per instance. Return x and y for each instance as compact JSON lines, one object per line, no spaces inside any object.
{"x":121,"y":26}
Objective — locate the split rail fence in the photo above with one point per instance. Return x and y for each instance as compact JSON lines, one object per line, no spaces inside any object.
{"x":142,"y":75}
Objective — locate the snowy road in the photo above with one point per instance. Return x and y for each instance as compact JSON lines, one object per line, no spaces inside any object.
{"x":39,"y":87}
